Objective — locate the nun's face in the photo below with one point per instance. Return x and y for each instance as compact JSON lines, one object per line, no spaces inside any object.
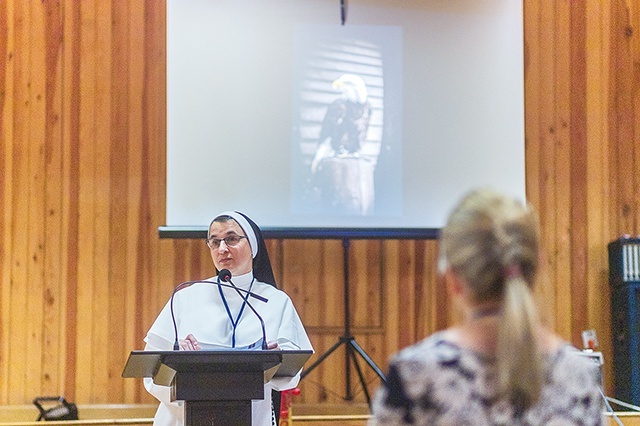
{"x":236,"y":259}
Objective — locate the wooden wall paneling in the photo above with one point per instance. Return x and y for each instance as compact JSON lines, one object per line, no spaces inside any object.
{"x":405,"y":293}
{"x":631,"y":32}
{"x":623,"y":116}
{"x":359,"y":269}
{"x":112,"y":330}
{"x":546,"y":204}
{"x":560,"y":122}
{"x":70,"y":118}
{"x":612,"y":120}
{"x":621,"y":146}
{"x":332,"y":281}
{"x":155,"y":274}
{"x":420,"y":297}
{"x":534,"y":131}
{"x":597,"y":169}
{"x":391,"y":303}
{"x":436,"y":308}
{"x":19,"y":324}
{"x":6,"y":187}
{"x":36,"y":199}
{"x":104,"y":175}
{"x":366,"y":310}
{"x":372,"y":344}
{"x":532,"y":87}
{"x":53,"y":360}
{"x":157,"y":288}
{"x":131,"y":281}
{"x":207,"y":269}
{"x":578,"y":164}
{"x":123,"y":122}
{"x":87,"y":216}
{"x":316,"y":266}
{"x":274,"y":248}
{"x":374,"y":290}
{"x":180,"y":270}
{"x":325,"y":384}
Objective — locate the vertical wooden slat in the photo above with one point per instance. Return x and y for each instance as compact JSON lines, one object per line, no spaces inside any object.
{"x":53,"y":316}
{"x":547,"y":202}
{"x":534,"y":132}
{"x":154,"y":182}
{"x":71,"y":183}
{"x":420,"y":296}
{"x":36,"y":194}
{"x":19,"y":324}
{"x":562,"y":166}
{"x":597,"y":170}
{"x":85,"y":342}
{"x":442,"y":309}
{"x":390,"y":302}
{"x":623,"y":115}
{"x":532,"y":78}
{"x":120,"y":139}
{"x":578,"y":162}
{"x":7,"y":105}
{"x":634,"y":76}
{"x":104,"y":175}
{"x":135,"y":151}
{"x":406,"y":326}
{"x":364,"y":283}
{"x":145,"y":157}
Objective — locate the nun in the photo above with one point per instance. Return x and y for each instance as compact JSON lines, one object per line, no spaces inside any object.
{"x":209,"y":316}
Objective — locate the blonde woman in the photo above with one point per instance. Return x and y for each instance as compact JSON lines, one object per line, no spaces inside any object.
{"x":500,"y":366}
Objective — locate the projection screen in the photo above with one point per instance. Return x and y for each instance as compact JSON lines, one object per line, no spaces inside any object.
{"x":314,"y":128}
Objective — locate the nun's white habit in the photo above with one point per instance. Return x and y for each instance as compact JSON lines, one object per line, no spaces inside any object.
{"x":200,"y":310}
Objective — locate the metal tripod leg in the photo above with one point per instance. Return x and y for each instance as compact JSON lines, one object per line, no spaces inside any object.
{"x":351,"y":346}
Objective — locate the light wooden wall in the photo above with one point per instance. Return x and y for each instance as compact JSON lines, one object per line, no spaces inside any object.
{"x":82,"y":138}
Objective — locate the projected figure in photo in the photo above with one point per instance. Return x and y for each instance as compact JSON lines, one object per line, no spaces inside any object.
{"x":344,"y":178}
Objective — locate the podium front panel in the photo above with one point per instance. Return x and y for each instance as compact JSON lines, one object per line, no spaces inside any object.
{"x":218,"y":386}
{"x":212,"y":413}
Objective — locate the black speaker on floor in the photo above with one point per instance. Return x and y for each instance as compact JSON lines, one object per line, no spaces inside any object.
{"x":624,"y":282}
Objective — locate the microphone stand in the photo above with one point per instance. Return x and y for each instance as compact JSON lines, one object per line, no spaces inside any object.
{"x":219,"y":284}
{"x":246,"y":300}
{"x":347,"y":339}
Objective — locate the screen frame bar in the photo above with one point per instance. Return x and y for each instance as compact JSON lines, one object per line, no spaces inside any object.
{"x":200,"y":232}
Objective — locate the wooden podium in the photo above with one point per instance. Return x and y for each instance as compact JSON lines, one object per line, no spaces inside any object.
{"x":216,"y":386}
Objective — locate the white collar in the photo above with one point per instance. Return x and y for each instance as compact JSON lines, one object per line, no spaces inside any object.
{"x":243,"y":281}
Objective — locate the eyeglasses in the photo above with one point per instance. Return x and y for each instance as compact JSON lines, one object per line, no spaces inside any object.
{"x":230,"y":241}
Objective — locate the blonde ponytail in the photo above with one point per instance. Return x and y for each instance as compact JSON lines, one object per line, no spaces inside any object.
{"x":492,"y":242}
{"x":519,"y":362}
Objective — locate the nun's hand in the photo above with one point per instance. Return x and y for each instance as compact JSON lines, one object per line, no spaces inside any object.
{"x":190,"y":343}
{"x":273,"y":345}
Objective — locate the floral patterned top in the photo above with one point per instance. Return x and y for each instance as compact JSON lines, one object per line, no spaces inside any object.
{"x":437,"y":382}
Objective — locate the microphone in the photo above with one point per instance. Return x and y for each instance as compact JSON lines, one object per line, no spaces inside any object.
{"x":176,"y":345}
{"x":225,"y":276}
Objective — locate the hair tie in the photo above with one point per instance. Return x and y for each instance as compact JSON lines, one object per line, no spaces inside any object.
{"x":512,"y":272}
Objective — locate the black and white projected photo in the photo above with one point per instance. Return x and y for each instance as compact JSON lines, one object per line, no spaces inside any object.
{"x":347,"y":133}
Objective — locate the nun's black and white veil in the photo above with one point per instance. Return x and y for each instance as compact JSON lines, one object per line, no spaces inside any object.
{"x":262,"y":270}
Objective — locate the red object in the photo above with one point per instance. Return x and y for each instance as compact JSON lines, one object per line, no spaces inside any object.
{"x":286,"y":398}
